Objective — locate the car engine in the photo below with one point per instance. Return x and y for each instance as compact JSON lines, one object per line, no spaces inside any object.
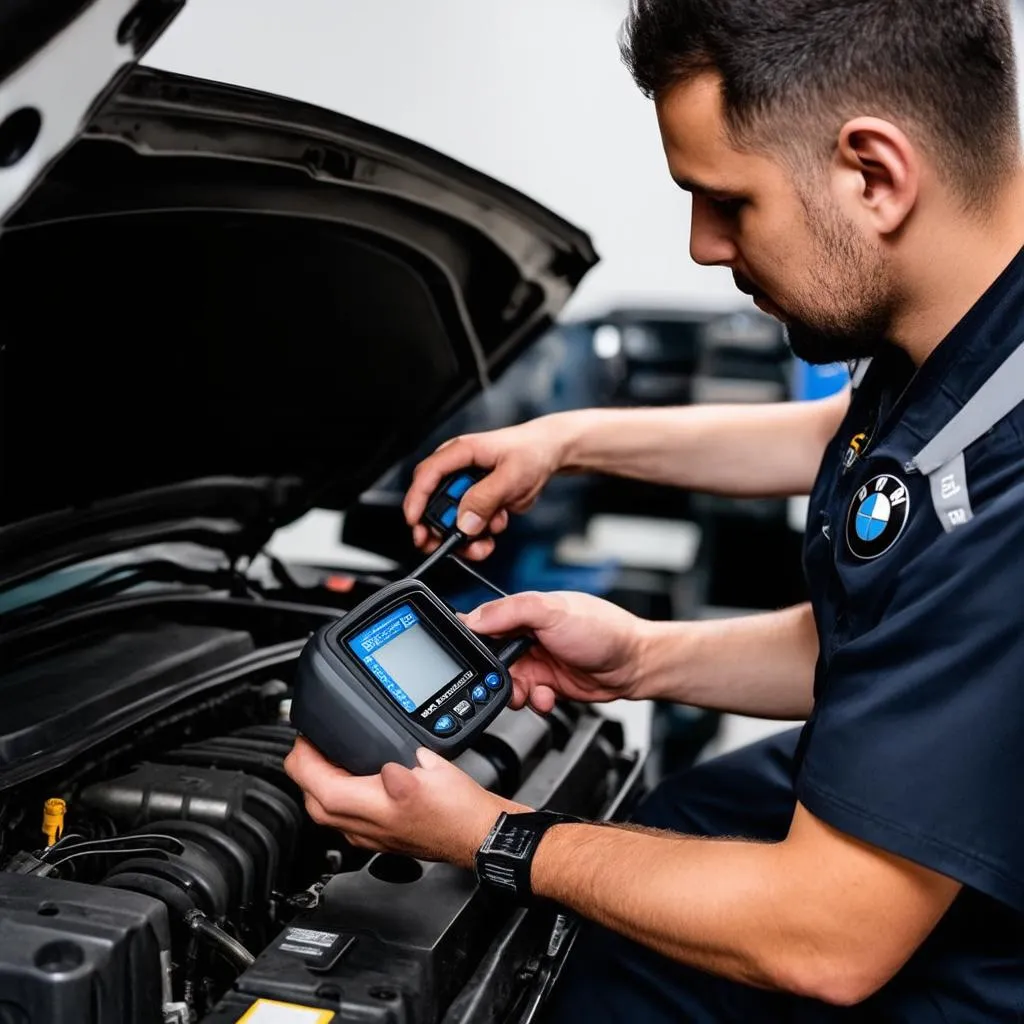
{"x":157,"y":865}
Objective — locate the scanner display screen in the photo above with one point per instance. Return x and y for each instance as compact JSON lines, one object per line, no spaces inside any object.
{"x":405,"y":657}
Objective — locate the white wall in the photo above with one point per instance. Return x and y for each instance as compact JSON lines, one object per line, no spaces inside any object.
{"x":531,"y":92}
{"x":1018,"y":15}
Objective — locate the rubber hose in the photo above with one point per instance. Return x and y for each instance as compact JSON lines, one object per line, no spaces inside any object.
{"x":219,"y":939}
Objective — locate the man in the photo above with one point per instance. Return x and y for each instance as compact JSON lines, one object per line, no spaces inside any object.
{"x":856,"y":164}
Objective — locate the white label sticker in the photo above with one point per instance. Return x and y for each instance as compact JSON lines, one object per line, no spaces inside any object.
{"x":312,"y":938}
{"x":268,"y":1011}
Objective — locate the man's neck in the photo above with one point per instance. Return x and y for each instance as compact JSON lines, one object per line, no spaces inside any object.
{"x":961,"y":266}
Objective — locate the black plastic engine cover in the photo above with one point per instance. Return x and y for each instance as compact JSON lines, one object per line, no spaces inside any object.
{"x":111,"y":672}
{"x":265,"y":820}
{"x":399,"y":941}
{"x":80,"y":954}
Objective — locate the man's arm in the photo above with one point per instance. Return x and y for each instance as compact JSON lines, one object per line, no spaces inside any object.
{"x":771,"y":450}
{"x":820,"y":914}
{"x":741,"y":450}
{"x":761,"y":665}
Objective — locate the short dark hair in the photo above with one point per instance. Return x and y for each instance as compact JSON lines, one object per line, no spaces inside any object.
{"x":794,"y":71}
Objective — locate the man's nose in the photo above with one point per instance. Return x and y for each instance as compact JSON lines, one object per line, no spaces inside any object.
{"x":711,"y":242}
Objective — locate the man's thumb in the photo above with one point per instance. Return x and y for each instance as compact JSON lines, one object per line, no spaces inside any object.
{"x":482,"y":501}
{"x":519,"y":612}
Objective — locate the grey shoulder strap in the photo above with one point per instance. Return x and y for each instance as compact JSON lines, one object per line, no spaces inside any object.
{"x":858,"y":371}
{"x":942,"y":459}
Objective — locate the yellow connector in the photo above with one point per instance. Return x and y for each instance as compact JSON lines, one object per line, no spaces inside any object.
{"x":53,"y":819}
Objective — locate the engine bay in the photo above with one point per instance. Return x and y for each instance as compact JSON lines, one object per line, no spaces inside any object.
{"x":158,"y":865}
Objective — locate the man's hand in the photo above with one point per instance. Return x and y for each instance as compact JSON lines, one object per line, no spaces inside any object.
{"x":590,"y":650}
{"x":717,"y":449}
{"x":432,"y":812}
{"x":522,"y":459}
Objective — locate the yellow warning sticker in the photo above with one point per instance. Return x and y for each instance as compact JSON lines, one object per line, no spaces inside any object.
{"x":269,"y":1011}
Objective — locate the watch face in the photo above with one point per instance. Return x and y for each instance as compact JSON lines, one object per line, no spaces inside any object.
{"x":505,"y":858}
{"x":513,"y":841}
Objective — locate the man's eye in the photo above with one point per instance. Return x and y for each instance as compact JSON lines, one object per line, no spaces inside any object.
{"x":728,"y":207}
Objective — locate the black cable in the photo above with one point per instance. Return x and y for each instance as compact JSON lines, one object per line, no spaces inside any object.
{"x":448,"y":545}
{"x":466,"y":567}
{"x":44,"y":853}
{"x":112,"y":845}
{"x":515,"y":649}
{"x":116,"y":851}
{"x":236,"y":954}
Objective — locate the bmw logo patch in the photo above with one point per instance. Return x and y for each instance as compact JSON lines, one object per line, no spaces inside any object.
{"x":878,"y":513}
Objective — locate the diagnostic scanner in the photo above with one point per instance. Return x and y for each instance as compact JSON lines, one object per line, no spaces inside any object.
{"x":401,"y":671}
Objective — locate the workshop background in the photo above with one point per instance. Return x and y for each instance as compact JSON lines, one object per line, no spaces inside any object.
{"x":533,"y":94}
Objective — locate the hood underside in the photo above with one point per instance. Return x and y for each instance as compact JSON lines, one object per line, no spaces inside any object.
{"x":217,"y":285}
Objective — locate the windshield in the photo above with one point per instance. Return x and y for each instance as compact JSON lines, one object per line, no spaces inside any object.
{"x":123,"y":571}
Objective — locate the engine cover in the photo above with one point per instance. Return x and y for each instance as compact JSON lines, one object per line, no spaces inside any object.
{"x":80,"y":954}
{"x":402,"y":941}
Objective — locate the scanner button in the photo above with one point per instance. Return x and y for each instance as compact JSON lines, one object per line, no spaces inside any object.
{"x":445,"y":725}
{"x":449,"y":517}
{"x":479,"y":694}
{"x":464,"y":709}
{"x":493,"y":680}
{"x":459,"y":486}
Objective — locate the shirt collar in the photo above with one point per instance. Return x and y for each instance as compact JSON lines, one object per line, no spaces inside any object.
{"x":968,"y":355}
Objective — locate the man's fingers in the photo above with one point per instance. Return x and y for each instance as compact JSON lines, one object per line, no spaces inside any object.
{"x":526,"y":611}
{"x":534,"y":683}
{"x":539,"y":696}
{"x":479,"y":549}
{"x":499,"y":524}
{"x":542,"y":699}
{"x":427,"y":758}
{"x":350,"y":827}
{"x":520,"y":695}
{"x":457,"y":453}
{"x":338,"y":792}
{"x":316,"y":810}
{"x":476,"y":551}
{"x":398,"y":781}
{"x":424,"y":482}
{"x":485,"y":499}
{"x":362,"y":842}
{"x":305,"y":759}
{"x":428,"y":475}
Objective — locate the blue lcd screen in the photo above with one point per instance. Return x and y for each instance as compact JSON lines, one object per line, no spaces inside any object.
{"x":405,"y":658}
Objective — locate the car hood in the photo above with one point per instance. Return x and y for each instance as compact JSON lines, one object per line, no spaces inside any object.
{"x":225,"y":308}
{"x":58,"y":60}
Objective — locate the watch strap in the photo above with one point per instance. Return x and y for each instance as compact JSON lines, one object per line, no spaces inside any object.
{"x":505,"y":858}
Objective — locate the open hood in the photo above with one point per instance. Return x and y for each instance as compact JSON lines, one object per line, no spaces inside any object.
{"x":224,"y":308}
{"x":58,"y":60}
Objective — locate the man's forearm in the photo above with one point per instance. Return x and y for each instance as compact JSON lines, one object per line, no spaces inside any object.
{"x":760,"y":665}
{"x":705,"y":903}
{"x":771,"y":450}
{"x":819,"y":914}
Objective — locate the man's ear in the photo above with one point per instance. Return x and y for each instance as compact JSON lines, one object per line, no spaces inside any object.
{"x":880,"y":173}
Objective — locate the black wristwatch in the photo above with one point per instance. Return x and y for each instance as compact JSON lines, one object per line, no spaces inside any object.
{"x":506,"y":855}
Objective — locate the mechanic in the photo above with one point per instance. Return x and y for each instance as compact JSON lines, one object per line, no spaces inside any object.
{"x":857,"y":165}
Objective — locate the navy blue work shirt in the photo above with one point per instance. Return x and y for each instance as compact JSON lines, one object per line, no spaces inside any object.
{"x":916,"y":742}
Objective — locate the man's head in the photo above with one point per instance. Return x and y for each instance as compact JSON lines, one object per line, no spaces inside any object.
{"x":817,"y":136}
